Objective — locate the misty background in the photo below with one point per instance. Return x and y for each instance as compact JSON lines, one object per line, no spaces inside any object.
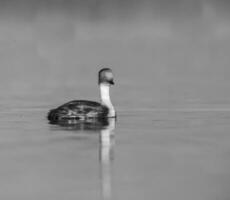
{"x":171,"y":52}
{"x":171,"y":62}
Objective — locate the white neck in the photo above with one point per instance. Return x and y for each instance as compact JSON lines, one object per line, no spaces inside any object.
{"x":105,"y":99}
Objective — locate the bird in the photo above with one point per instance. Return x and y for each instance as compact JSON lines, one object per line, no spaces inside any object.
{"x":85,"y":110}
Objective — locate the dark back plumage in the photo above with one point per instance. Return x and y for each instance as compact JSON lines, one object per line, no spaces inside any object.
{"x":79,"y":110}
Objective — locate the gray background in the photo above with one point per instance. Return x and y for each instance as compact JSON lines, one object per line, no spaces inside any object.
{"x":171,"y":65}
{"x":172,"y":49}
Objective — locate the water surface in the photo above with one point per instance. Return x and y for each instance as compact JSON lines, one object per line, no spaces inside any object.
{"x":176,"y":153}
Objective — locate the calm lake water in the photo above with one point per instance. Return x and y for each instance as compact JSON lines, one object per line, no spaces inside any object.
{"x":162,"y":152}
{"x":171,"y":61}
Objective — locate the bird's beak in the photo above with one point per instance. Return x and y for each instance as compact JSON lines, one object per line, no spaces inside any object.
{"x":111,"y":82}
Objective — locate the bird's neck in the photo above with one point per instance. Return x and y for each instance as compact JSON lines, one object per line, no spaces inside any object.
{"x":105,"y":99}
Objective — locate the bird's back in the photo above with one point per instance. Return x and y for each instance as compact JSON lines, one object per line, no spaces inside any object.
{"x":78,"y":109}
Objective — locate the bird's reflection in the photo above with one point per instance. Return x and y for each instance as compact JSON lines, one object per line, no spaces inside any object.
{"x":90,"y":124}
{"x":106,"y":137}
{"x":106,"y":156}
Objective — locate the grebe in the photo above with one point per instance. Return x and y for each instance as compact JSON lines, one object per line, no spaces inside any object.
{"x":84,"y":110}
